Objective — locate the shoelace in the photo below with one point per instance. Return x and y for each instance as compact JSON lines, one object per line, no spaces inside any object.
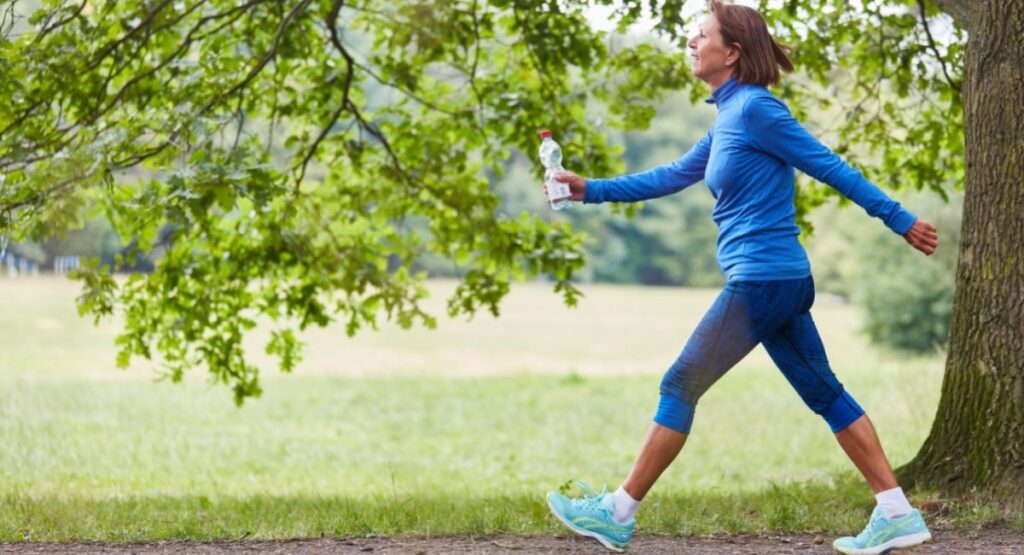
{"x":589,"y":491}
{"x":591,"y":498}
{"x":869,"y":530}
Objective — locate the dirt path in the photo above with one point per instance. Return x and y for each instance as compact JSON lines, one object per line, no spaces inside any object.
{"x":991,"y":541}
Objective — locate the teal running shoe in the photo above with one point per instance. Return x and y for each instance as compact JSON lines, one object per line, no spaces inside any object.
{"x":593,"y":516}
{"x":883,"y":535}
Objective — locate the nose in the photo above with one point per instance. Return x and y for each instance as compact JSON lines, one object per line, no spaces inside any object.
{"x":692,"y":43}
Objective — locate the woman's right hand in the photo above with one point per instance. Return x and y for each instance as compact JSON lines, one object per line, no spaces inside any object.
{"x":577,"y":184}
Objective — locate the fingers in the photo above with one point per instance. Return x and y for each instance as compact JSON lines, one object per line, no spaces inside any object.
{"x":927,"y":237}
{"x":930,"y":236}
{"x":925,"y":243}
{"x":927,"y":247}
{"x":923,"y":236}
{"x":564,"y":177}
{"x":932,"y":241}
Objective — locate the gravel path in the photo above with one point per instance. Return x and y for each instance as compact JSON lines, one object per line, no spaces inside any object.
{"x":990,"y":541}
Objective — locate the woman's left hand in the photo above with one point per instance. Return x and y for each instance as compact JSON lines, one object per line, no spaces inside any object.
{"x":923,"y":236}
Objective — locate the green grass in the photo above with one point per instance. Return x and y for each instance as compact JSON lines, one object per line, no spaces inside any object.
{"x":263,"y":516}
{"x":458,"y":430}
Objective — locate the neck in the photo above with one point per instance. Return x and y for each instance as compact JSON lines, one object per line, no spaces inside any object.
{"x":718,"y":80}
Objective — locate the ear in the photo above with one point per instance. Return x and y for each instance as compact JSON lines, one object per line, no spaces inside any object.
{"x":734,"y":54}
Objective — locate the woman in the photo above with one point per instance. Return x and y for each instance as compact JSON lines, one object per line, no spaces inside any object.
{"x":747,"y":161}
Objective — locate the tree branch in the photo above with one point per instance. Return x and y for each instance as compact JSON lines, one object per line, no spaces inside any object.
{"x":270,"y":55}
{"x":408,"y":93}
{"x":542,"y":74}
{"x":935,"y":49}
{"x":336,"y":40}
{"x":472,"y":71}
{"x":316,"y":144}
{"x":363,"y":124}
{"x":7,"y":20}
{"x":186,"y":44}
{"x":331,"y":22}
{"x":50,"y":27}
{"x":240,"y":111}
{"x":332,"y":27}
{"x":111,"y":47}
{"x":41,"y":197}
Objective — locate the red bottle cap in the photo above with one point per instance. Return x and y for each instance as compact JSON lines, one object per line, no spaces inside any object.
{"x":545,"y":134}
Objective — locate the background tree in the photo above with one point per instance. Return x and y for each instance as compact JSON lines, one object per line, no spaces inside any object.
{"x":303,"y":154}
{"x":920,"y":97}
{"x":306,"y":153}
{"x":977,"y":438}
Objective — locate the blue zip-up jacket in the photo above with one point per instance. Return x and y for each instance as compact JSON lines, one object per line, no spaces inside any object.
{"x":747,"y":161}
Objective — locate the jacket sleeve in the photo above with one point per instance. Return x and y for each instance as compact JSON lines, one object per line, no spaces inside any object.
{"x":656,"y":182}
{"x":774,"y":130}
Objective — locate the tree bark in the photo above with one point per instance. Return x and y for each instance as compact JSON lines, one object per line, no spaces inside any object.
{"x":976,"y":443}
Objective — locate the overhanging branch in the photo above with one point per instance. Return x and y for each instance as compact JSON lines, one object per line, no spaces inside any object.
{"x":931,"y":44}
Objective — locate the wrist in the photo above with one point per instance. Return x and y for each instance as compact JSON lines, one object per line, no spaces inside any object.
{"x":591,"y":190}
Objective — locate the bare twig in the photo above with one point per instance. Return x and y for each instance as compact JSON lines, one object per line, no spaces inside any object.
{"x":7,"y":20}
{"x":931,"y":43}
{"x":406,"y":92}
{"x":476,"y":60}
{"x":331,"y":22}
{"x":363,"y":124}
{"x":240,"y":114}
{"x":316,"y":144}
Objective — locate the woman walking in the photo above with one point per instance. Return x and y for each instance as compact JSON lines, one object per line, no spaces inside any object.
{"x":747,"y":160}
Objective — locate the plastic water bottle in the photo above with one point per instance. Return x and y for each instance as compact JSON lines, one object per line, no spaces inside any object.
{"x":559,"y":195}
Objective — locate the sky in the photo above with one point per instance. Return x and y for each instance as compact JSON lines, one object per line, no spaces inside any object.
{"x":600,"y":15}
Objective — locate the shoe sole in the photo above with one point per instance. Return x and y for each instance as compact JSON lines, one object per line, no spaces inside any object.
{"x":891,"y":545}
{"x":583,"y":532}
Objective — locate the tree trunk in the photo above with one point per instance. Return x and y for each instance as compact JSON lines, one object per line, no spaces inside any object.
{"x":977,"y":440}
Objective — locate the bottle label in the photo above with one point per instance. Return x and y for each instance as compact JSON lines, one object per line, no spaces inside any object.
{"x":557,"y":190}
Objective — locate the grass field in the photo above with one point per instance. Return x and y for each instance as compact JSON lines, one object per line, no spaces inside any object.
{"x":456,"y":430}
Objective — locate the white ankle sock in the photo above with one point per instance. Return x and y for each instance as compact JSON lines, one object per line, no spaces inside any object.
{"x":625,"y":506}
{"x":893,"y":503}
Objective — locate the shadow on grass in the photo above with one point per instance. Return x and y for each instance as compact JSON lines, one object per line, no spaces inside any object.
{"x":839,"y":507}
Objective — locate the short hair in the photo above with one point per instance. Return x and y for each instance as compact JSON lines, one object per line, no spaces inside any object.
{"x":761,"y":56}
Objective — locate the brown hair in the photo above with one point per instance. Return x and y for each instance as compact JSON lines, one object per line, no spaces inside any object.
{"x":761,"y":56}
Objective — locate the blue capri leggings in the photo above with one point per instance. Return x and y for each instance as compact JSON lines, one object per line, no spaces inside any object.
{"x":776,"y":314}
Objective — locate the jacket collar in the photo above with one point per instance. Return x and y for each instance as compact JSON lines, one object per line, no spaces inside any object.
{"x":724,"y":92}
